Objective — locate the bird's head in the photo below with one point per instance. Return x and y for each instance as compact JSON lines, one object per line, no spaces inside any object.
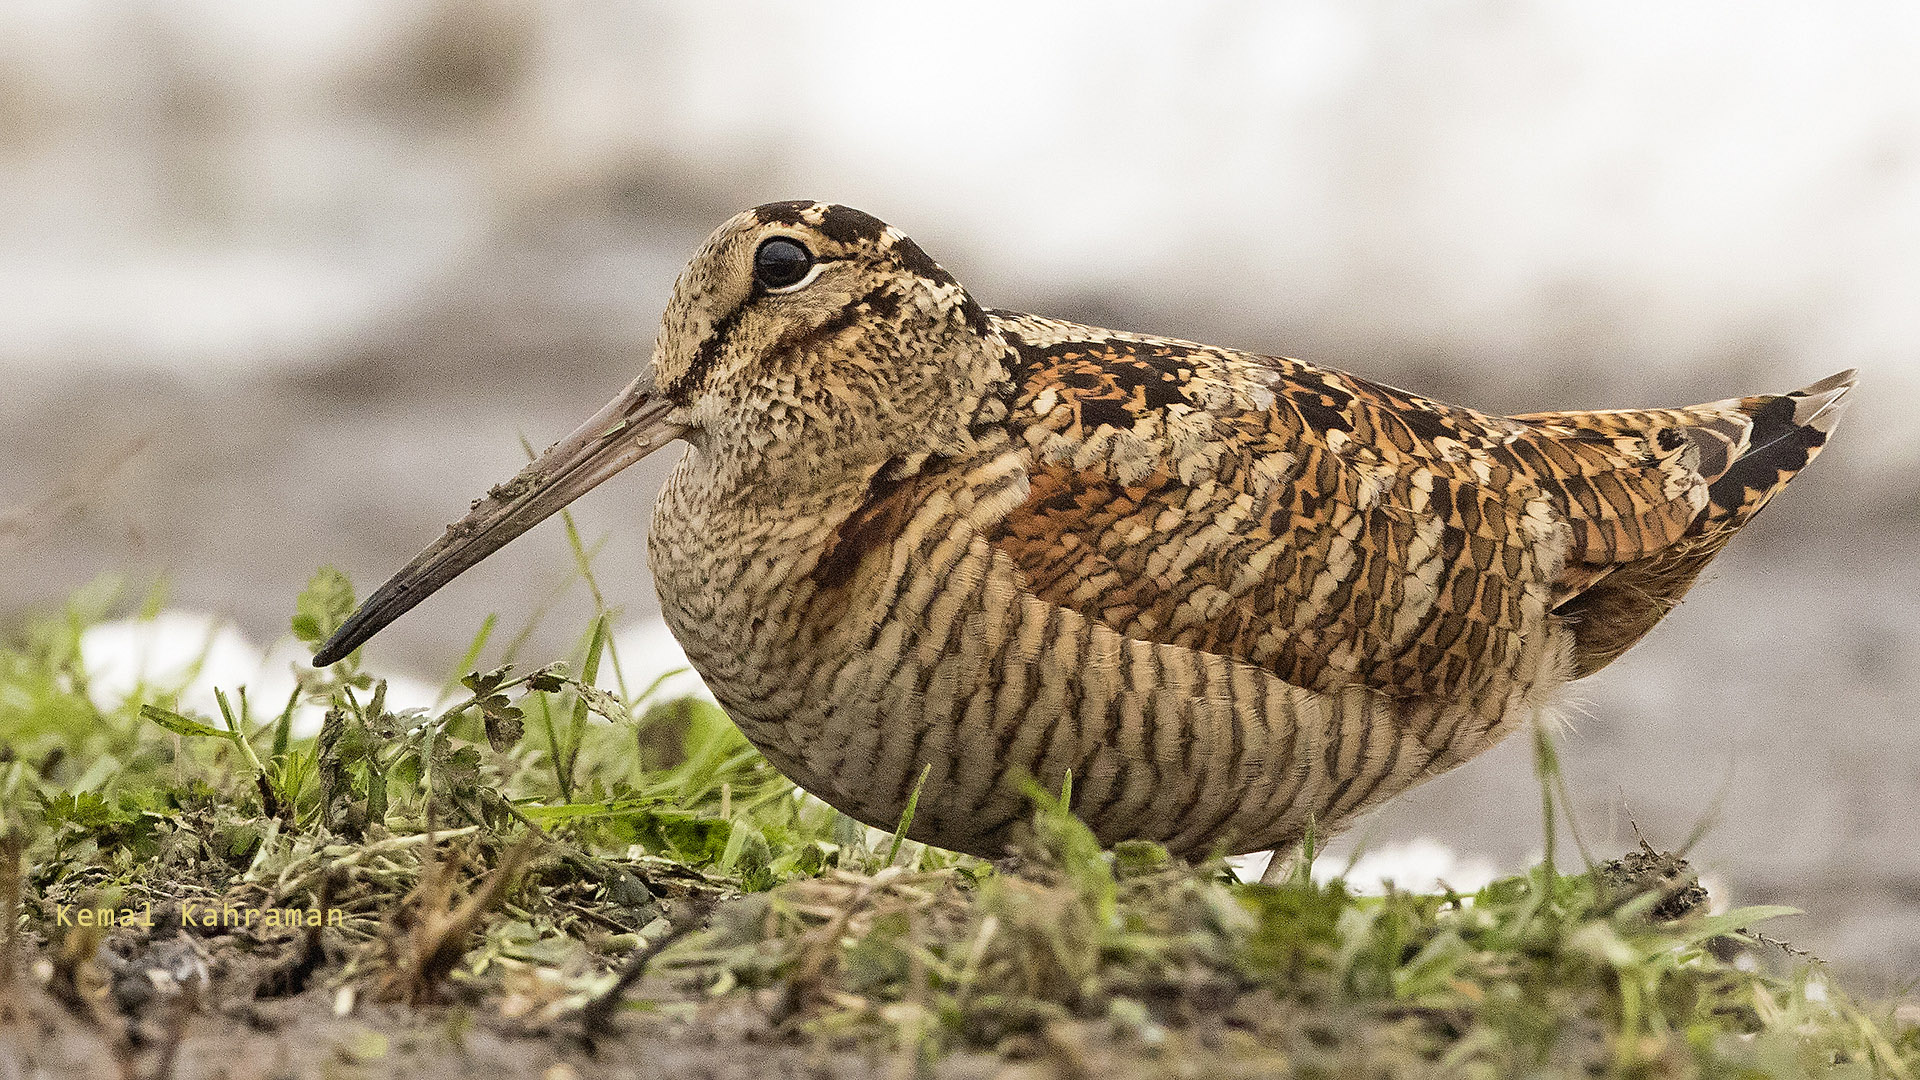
{"x":813,"y":337}
{"x":805,"y":342}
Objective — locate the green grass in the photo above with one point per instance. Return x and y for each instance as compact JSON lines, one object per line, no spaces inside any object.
{"x":520,"y":846}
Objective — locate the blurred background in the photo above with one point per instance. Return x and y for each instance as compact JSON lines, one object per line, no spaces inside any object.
{"x":285,"y":284}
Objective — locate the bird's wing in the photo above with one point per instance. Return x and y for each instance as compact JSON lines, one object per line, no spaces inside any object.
{"x":1329,"y":529}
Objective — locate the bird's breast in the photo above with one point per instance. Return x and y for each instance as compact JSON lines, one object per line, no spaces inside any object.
{"x":931,"y":658}
{"x":729,"y":567}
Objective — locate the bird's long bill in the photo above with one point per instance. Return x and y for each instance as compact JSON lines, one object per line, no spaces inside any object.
{"x":632,"y":426}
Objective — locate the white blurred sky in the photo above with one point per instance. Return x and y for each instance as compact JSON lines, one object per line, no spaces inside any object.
{"x":1633,"y":186}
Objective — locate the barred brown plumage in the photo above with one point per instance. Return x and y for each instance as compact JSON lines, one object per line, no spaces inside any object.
{"x":1229,"y":594}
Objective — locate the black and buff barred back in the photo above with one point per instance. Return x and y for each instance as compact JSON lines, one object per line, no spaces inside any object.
{"x":1230,"y":594}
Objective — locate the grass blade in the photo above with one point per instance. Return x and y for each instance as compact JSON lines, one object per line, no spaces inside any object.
{"x":906,"y":816}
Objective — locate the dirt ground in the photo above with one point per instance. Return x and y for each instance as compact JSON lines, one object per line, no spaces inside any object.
{"x":303,"y":1038}
{"x":177,"y":1002}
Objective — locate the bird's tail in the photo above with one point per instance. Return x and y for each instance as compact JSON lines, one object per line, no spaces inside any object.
{"x":1788,"y":431}
{"x":1654,"y":494}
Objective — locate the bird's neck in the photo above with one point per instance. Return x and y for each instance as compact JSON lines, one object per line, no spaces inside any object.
{"x":731,"y":559}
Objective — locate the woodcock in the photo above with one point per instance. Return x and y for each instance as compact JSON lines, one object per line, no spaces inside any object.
{"x":1230,"y":594}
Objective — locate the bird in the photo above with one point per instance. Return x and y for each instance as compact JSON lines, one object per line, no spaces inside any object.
{"x":922,"y":549}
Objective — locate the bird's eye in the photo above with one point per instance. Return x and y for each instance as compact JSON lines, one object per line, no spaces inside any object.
{"x":781,"y":263}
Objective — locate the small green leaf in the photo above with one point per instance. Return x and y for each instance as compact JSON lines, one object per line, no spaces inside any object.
{"x":180,"y":725}
{"x":457,"y":772}
{"x":549,"y":679}
{"x":906,"y":816}
{"x":605,"y":704}
{"x":504,"y":728}
{"x":484,"y":685}
{"x":500,"y":705}
{"x":323,"y":606}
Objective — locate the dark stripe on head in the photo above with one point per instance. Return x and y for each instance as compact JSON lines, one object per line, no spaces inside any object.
{"x":918,"y":262}
{"x":975,"y":315}
{"x":845,"y":225}
{"x":684,"y":388}
{"x":878,"y":304}
{"x":783,"y":213}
